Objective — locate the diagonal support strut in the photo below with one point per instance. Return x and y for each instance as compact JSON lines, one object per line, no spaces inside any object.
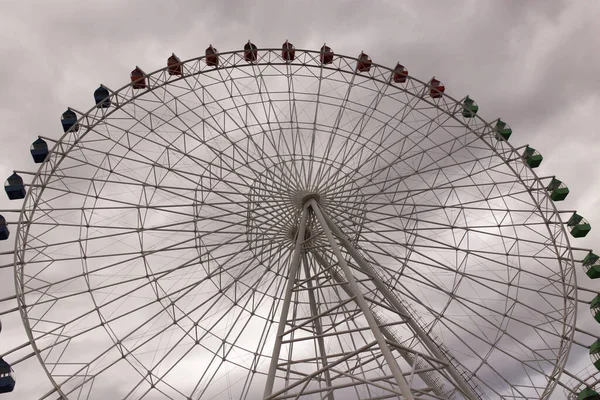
{"x":360,"y":300}
{"x":463,"y":386}
{"x":294,"y":267}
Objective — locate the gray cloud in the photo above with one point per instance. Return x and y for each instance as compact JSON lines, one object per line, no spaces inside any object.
{"x":534,"y":65}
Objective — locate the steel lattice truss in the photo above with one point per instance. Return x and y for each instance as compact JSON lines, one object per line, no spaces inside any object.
{"x":370,"y":238}
{"x":589,"y":377}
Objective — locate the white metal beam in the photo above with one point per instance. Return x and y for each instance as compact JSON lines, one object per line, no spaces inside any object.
{"x":364,"y":306}
{"x":294,"y":267}
{"x":464,"y":387}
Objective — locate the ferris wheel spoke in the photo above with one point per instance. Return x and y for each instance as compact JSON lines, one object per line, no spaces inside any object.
{"x":391,"y":118}
{"x":379,"y":250}
{"x":172,"y":146}
{"x":261,"y":342}
{"x":243,"y":126}
{"x":401,"y":142}
{"x":129,"y":230}
{"x":273,"y":113}
{"x":401,"y":157}
{"x":133,"y":207}
{"x":313,"y":126}
{"x":486,"y":256}
{"x":402,"y":178}
{"x":448,"y":183}
{"x":334,"y":130}
{"x":387,"y":243}
{"x":139,"y":255}
{"x":250,"y":110}
{"x":424,"y":152}
{"x":362,"y":122}
{"x":128,"y":334}
{"x":185,"y":175}
{"x":426,"y":281}
{"x":461,"y":327}
{"x":299,"y":147}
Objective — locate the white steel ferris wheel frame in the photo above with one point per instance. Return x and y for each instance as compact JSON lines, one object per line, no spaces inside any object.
{"x":439,"y":358}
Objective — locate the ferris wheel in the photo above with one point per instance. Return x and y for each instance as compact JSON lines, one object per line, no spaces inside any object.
{"x":285,"y":224}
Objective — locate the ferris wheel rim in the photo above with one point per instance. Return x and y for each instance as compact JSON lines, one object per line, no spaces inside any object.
{"x":167,"y":81}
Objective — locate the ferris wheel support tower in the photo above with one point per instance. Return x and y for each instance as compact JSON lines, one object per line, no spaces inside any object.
{"x":381,"y":334}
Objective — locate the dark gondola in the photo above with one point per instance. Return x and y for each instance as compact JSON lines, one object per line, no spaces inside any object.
{"x":39,"y":150}
{"x":14,"y":187}
{"x":102,"y":97}
{"x":138,"y":78}
{"x":174,"y":66}
{"x":4,"y":234}
{"x":69,"y":121}
{"x":250,"y":52}
{"x":212,"y":56}
{"x":364,"y":63}
{"x":7,"y":377}
{"x":326,"y":56}
{"x":288,"y":51}
{"x":400,"y":73}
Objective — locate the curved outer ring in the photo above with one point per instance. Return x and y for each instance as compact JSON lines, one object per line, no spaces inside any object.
{"x":272,"y":56}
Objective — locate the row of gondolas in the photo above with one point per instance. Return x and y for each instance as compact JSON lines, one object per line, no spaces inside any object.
{"x":578,"y":226}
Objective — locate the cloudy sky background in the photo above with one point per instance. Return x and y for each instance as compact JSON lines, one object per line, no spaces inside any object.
{"x":536,"y":64}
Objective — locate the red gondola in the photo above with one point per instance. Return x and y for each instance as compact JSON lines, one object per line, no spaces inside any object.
{"x":326,"y":55}
{"x":212,"y":56}
{"x":400,"y":73}
{"x":288,"y":51}
{"x":437,"y":88}
{"x":138,"y":78}
{"x":174,"y":65}
{"x":364,"y":63}
{"x":250,"y":52}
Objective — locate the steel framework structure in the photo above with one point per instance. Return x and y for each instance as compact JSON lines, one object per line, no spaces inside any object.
{"x":292,"y":229}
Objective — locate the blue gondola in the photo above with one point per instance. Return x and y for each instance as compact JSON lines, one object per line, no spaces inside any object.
{"x":14,"y":187}
{"x":4,"y":234}
{"x":7,"y":377}
{"x":69,"y":120}
{"x":39,"y":150}
{"x":102,"y":97}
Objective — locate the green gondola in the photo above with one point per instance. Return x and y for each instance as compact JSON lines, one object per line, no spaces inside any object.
{"x":592,"y":266}
{"x":558,"y":190}
{"x":470,"y":108}
{"x":502,"y":129}
{"x":532,"y":157}
{"x":579,"y":226}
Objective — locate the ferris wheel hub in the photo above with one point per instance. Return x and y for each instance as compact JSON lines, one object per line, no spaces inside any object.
{"x":315,"y":196}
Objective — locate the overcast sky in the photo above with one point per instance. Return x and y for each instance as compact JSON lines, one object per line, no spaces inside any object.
{"x":536,"y":64}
